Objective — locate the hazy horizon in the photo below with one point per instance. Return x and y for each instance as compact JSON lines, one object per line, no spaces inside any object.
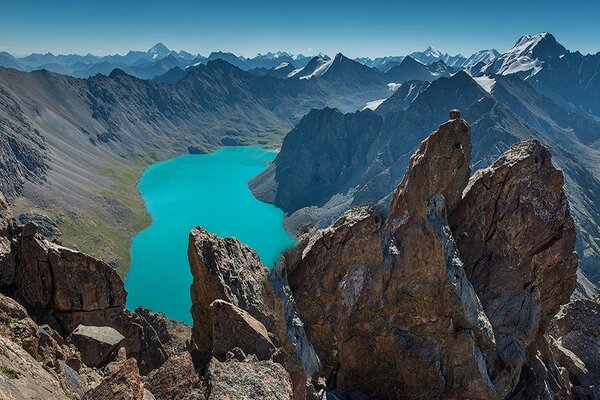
{"x":356,"y":29}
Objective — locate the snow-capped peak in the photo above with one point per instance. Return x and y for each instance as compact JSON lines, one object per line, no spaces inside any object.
{"x":159,"y":50}
{"x":521,"y":58}
{"x":430,"y":51}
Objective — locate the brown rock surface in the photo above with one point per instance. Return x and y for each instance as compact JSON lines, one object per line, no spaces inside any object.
{"x":380,"y":295}
{"x":23,"y":377}
{"x":174,"y":335}
{"x":176,"y":379}
{"x":517,"y":238}
{"x":123,"y":384}
{"x":234,"y":327}
{"x":247,"y":380}
{"x":225,"y":269}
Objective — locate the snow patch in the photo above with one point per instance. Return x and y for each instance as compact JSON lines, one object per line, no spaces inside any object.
{"x":393,"y":86}
{"x":282,"y":65}
{"x":372,"y":105}
{"x":320,"y":70}
{"x":486,"y":82}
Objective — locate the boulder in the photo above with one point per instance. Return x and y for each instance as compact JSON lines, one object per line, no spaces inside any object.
{"x":96,"y":343}
{"x":174,"y":335}
{"x":247,"y":380}
{"x":515,"y":233}
{"x":234,"y":327}
{"x":123,"y":384}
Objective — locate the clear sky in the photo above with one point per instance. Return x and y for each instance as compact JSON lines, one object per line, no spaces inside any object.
{"x":355,"y":28}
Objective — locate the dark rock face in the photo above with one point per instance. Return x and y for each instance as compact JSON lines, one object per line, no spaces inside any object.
{"x":248,"y":380}
{"x":516,"y":236}
{"x":378,"y":295}
{"x":65,"y":288}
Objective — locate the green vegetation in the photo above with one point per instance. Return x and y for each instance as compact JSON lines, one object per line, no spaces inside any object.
{"x":108,"y":237}
{"x":8,"y":373}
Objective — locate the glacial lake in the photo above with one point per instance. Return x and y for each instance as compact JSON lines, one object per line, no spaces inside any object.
{"x":209,"y":190}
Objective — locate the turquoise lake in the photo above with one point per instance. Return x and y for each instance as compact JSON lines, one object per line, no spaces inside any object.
{"x":209,"y":190}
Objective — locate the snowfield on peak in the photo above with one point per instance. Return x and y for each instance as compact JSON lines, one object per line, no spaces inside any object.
{"x":372,"y":105}
{"x":486,"y":82}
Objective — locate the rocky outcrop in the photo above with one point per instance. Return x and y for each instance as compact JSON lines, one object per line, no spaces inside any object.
{"x":379,"y":294}
{"x":516,"y":237}
{"x":245,"y":380}
{"x":410,"y":306}
{"x":65,"y":288}
{"x":225,"y":269}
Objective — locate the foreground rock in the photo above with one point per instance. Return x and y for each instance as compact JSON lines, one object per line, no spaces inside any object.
{"x":176,"y":379}
{"x":234,"y":327}
{"x":380,"y":295}
{"x":96,"y":344}
{"x":248,"y":380}
{"x":515,"y":233}
{"x":392,"y":307}
{"x":65,"y":288}
{"x":227,"y":270}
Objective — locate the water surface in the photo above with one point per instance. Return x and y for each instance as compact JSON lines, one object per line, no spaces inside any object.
{"x":209,"y":190}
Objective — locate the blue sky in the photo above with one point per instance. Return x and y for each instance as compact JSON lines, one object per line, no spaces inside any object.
{"x":355,"y":28}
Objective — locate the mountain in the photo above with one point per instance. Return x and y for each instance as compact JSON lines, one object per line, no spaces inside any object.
{"x":402,"y":98}
{"x":569,"y":78}
{"x":281,"y":70}
{"x":314,"y":189}
{"x":482,"y":56}
{"x":171,"y":76}
{"x":380,"y":63}
{"x":158,"y":51}
{"x":230,"y":58}
{"x":410,"y":69}
{"x":8,"y":61}
{"x":70,"y":141}
{"x":431,"y":55}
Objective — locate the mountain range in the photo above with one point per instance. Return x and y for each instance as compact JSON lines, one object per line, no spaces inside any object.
{"x":70,"y":141}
